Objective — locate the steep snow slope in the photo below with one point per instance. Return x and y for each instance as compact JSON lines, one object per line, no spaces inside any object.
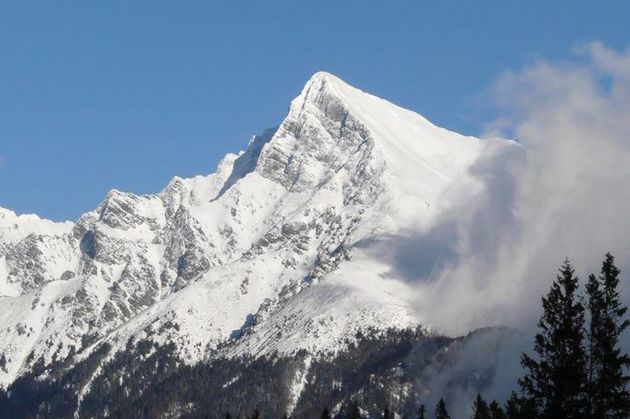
{"x":260,"y":256}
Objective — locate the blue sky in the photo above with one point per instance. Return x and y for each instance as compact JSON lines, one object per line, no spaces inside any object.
{"x":119,"y":94}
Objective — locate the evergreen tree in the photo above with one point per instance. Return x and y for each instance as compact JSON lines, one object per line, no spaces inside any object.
{"x":421,"y":411}
{"x":595,"y":306}
{"x":440,"y":410}
{"x":520,"y":408}
{"x":325,"y":414}
{"x":496,"y":412}
{"x":512,"y":407}
{"x":555,"y":379}
{"x":608,"y":390}
{"x":480,"y":408}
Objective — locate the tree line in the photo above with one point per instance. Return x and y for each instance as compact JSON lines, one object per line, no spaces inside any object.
{"x":577,"y":371}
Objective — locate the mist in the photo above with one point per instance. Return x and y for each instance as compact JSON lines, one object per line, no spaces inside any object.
{"x":560,"y":190}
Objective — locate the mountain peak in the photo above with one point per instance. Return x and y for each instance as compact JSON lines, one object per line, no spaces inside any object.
{"x":321,"y":88}
{"x":324,"y":78}
{"x":324,"y":75}
{"x":332,"y":125}
{"x":275,"y":236}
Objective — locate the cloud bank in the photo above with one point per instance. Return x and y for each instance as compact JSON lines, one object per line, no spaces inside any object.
{"x":564,"y":191}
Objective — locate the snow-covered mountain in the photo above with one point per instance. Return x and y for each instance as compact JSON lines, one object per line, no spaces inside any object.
{"x":272,"y":252}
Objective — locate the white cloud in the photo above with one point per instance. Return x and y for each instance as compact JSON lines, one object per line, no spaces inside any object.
{"x":564,"y":193}
{"x":608,"y":60}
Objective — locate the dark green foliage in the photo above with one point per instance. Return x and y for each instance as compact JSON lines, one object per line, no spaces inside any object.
{"x":147,"y":381}
{"x":387,"y":414}
{"x":366,"y":369}
{"x":421,"y":412}
{"x":496,"y":412}
{"x":325,"y":414}
{"x":556,"y":378}
{"x":609,"y":397}
{"x":440,"y":410}
{"x":480,"y":408}
{"x":519,"y":408}
{"x":55,"y":397}
{"x":513,"y":407}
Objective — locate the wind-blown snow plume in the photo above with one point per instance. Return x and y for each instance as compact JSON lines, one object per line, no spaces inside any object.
{"x":564,"y":193}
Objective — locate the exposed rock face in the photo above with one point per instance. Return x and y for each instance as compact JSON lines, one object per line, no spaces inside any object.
{"x":257,"y":257}
{"x":318,"y":139}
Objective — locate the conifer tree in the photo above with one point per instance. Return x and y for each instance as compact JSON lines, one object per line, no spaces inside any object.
{"x":555,"y":378}
{"x":325,"y":414}
{"x":440,"y":410}
{"x":480,"y":408}
{"x":520,"y":408}
{"x":421,"y":411}
{"x":512,"y":407}
{"x":496,"y":412}
{"x":595,"y":306}
{"x":608,"y":392}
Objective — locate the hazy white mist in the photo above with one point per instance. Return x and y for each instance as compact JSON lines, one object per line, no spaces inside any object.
{"x":564,"y":191}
